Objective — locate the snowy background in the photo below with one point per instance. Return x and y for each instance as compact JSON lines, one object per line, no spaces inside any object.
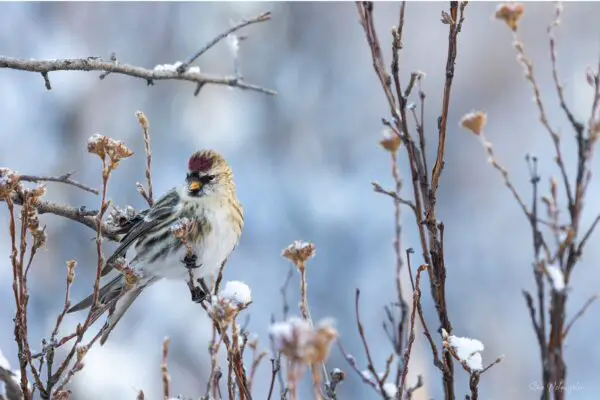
{"x":303,"y":164}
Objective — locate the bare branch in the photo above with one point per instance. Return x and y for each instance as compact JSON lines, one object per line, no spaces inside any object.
{"x":379,"y":189}
{"x":66,"y":178}
{"x":580,"y":313}
{"x":150,"y":75}
{"x":81,"y":215}
{"x":260,"y":18}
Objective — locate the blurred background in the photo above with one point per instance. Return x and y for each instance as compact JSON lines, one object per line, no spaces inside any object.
{"x":303,"y":163}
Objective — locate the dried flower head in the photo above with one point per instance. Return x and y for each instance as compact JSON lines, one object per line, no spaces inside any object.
{"x":104,"y":146}
{"x":81,"y":352}
{"x":300,"y":342}
{"x":142,"y":119}
{"x":299,"y":252}
{"x":474,"y":121}
{"x":132,"y":276}
{"x":9,"y":181}
{"x":235,"y":297}
{"x":510,"y":13}
{"x":390,"y":140}
{"x":39,"y":237}
{"x":71,"y":264}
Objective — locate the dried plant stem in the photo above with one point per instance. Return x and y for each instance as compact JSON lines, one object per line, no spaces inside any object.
{"x":411,"y":334}
{"x":166,"y":379}
{"x":305,"y":311}
{"x":147,"y":195}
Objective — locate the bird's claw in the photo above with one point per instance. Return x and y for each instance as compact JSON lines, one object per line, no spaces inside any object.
{"x":198,"y":295}
{"x":190,"y":261}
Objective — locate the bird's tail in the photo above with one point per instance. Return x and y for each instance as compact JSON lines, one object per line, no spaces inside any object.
{"x":116,"y":297}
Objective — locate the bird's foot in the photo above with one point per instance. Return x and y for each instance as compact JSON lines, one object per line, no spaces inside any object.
{"x":198,"y":295}
{"x":190,"y":261}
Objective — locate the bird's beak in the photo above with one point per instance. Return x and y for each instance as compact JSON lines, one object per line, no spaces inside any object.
{"x":194,"y":186}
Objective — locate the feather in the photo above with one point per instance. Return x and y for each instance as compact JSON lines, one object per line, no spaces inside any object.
{"x":163,"y":212}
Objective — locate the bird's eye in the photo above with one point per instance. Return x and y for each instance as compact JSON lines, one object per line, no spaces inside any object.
{"x":207,"y":178}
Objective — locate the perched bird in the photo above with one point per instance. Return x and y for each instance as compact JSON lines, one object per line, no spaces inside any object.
{"x":209,"y":199}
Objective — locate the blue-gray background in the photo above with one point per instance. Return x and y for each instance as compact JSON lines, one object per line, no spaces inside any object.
{"x":303,"y":164}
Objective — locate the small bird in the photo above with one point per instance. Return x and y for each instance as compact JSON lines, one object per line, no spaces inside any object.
{"x":209,"y":199}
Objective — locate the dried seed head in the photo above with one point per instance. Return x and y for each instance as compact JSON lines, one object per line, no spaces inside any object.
{"x":81,"y":352}
{"x":235,"y":297}
{"x":390,"y":140}
{"x":39,"y":237}
{"x":71,"y":264}
{"x":104,"y":146}
{"x":300,"y":342}
{"x":9,"y":181}
{"x":142,"y":120}
{"x":510,"y":13}
{"x":474,"y":121}
{"x":299,"y":252}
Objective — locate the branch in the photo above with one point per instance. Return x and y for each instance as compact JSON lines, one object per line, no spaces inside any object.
{"x":260,"y":18}
{"x":66,"y":178}
{"x":580,"y":313}
{"x":150,"y":75}
{"x":81,"y":215}
{"x":379,"y":189}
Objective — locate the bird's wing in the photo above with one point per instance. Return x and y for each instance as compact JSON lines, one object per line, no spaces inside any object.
{"x":161,"y":212}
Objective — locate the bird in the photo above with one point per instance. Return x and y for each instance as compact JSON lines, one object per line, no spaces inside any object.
{"x":208,"y":198}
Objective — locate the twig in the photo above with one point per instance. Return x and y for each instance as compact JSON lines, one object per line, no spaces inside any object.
{"x":275,"y":367}
{"x":411,"y":334}
{"x":578,"y":126}
{"x":587,"y":235}
{"x":150,"y":75}
{"x":396,"y":196}
{"x":164,"y":370}
{"x":453,"y":31}
{"x":81,"y":215}
{"x":145,"y":128}
{"x":361,"y":332}
{"x":580,"y":313}
{"x":66,"y":178}
{"x":260,"y":18}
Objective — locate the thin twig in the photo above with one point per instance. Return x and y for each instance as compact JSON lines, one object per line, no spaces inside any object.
{"x":580,"y":313}
{"x":361,"y":332}
{"x":396,"y":196}
{"x":260,"y":18}
{"x":148,"y":196}
{"x":164,"y":371}
{"x":66,"y":178}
